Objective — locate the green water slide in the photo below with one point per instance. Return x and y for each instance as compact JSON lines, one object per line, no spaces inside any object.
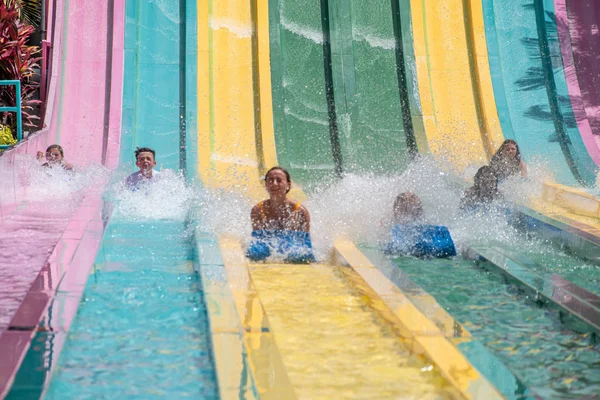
{"x":346,"y":100}
{"x":344,"y":88}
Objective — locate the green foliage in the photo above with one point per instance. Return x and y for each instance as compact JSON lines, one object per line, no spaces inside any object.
{"x":18,"y":61}
{"x":30,"y":11}
{"x":6,"y":136}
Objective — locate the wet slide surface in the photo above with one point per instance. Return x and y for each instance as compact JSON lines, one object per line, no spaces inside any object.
{"x":143,"y":306}
{"x":344,"y":99}
{"x":530,"y":87}
{"x":141,"y":329}
{"x":533,"y":343}
{"x":577,"y":23}
{"x":237,"y":155}
{"x":88,"y":132}
{"x":341,"y":90}
{"x":525,"y":97}
{"x":323,"y":325}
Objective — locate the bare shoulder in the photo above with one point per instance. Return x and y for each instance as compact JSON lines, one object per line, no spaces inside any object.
{"x":296,"y":203}
{"x":304,"y":211}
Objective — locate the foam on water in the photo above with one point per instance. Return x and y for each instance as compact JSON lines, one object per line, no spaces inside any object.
{"x":374,"y":40}
{"x":239,"y":29}
{"x":302,"y":31}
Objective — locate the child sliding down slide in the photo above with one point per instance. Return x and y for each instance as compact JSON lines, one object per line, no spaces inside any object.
{"x":410,"y":237}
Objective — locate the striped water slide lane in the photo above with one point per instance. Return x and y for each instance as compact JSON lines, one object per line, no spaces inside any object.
{"x":149,"y":25}
{"x":305,"y":117}
{"x":459,"y":110}
{"x":344,"y":88}
{"x":230,"y":40}
{"x":229,"y":157}
{"x":497,"y":110}
{"x":530,"y":87}
{"x":577,"y":23}
{"x":83,"y":115}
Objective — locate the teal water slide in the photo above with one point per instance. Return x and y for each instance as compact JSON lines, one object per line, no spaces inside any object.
{"x":530,"y":86}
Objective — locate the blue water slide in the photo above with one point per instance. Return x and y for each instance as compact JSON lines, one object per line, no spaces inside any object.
{"x":530,"y":87}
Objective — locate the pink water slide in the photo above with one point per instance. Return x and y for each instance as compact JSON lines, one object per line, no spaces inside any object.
{"x":579,"y":32}
{"x":39,"y":245}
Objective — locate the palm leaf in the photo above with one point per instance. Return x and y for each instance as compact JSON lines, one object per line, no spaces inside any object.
{"x":30,"y":11}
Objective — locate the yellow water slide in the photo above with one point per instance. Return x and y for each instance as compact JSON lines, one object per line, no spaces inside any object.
{"x":309,"y":331}
{"x":459,"y":112}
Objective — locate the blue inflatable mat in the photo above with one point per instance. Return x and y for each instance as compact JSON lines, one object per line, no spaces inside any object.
{"x":293,"y":246}
{"x":421,"y":241}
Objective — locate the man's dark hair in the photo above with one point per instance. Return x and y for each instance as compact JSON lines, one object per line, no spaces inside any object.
{"x":140,"y":150}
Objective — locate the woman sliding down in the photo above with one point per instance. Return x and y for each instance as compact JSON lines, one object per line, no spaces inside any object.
{"x":55,"y":156}
{"x":280,"y":225}
{"x":279,"y":212}
{"x":507,"y":161}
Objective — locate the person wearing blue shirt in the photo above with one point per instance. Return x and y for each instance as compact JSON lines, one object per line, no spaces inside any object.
{"x":411,"y":237}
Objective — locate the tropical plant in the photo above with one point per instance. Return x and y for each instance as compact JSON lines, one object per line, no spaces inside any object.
{"x":6,"y":136}
{"x":30,"y":11}
{"x":18,"y":61}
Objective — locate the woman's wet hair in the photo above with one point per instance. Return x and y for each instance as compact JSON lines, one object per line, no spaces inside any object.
{"x":56,"y":146}
{"x":484,"y":176}
{"x":285,"y":171}
{"x":503,"y":147}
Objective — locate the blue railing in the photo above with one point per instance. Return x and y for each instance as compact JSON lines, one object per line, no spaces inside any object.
{"x":16,"y":108}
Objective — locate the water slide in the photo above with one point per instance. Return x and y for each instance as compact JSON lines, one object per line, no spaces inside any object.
{"x":42,"y":240}
{"x":234,"y":88}
{"x":280,"y":305}
{"x":577,"y":23}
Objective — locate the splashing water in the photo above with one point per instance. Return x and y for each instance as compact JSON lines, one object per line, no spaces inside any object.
{"x":169,"y":197}
{"x":359,"y":207}
{"x":44,"y":201}
{"x":56,"y":187}
{"x":224,"y":212}
{"x":306,"y":32}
